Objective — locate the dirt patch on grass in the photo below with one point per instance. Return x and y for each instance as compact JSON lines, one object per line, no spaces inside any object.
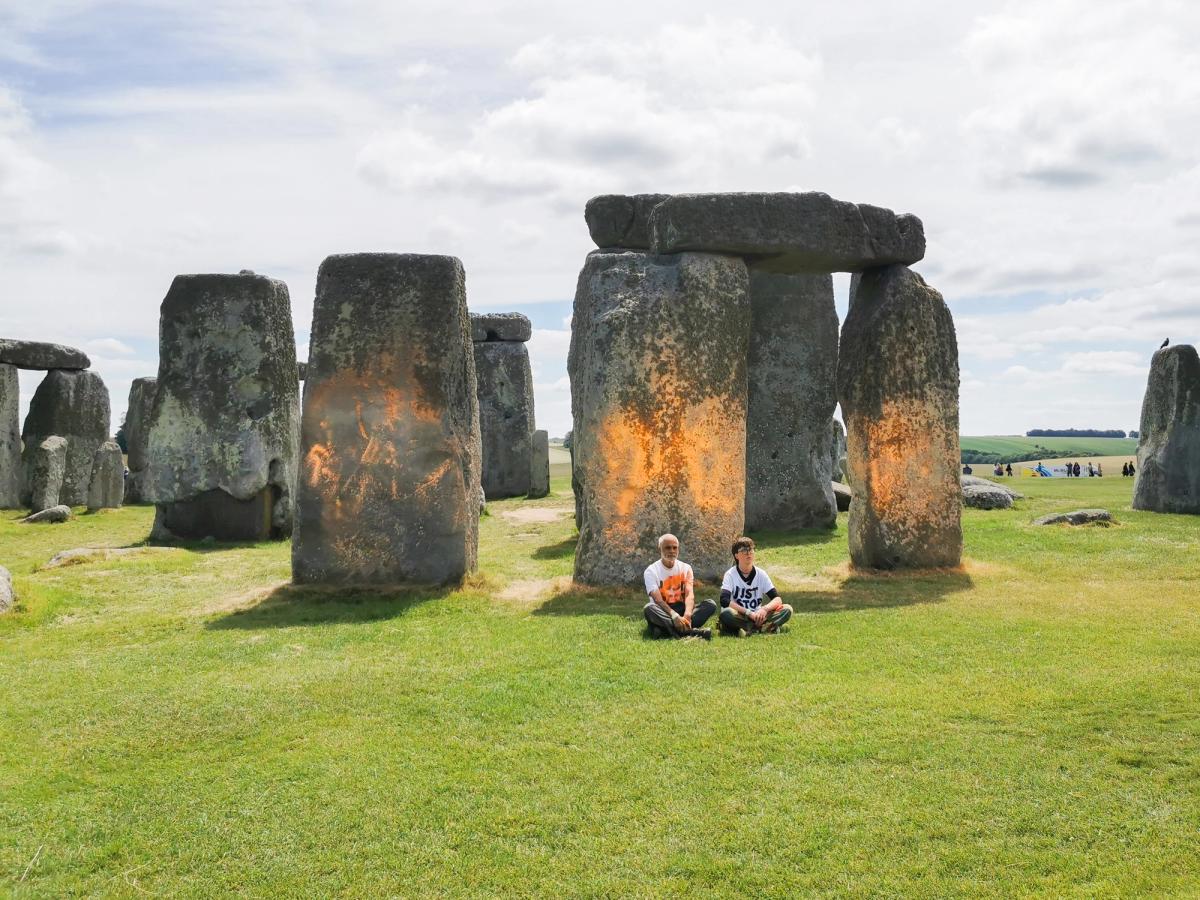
{"x":533,"y":590}
{"x":534,"y":514}
{"x":240,"y":600}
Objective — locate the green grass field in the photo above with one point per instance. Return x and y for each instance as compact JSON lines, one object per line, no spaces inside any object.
{"x":1018,"y":446}
{"x":185,"y":723}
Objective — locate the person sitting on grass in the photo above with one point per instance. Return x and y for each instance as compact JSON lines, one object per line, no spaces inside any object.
{"x":748,"y":596}
{"x":673,"y":609}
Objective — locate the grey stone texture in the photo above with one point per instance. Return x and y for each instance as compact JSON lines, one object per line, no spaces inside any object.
{"x":843,"y":495}
{"x":107,"y":488}
{"x":55,"y":515}
{"x":226,"y":411}
{"x":505,"y":391}
{"x":658,"y":393}
{"x":7,"y":595}
{"x":967,"y":480}
{"x":792,"y":232}
{"x":1077,"y":517}
{"x":45,"y":465}
{"x":302,"y":370}
{"x":1168,"y":454}
{"x":73,"y":405}
{"x":621,"y":220}
{"x":837,"y":449}
{"x":10,"y":438}
{"x":539,"y":465}
{"x":898,"y":386}
{"x":137,"y":425}
{"x":792,"y":374}
{"x":986,"y":496}
{"x":513,"y":326}
{"x":38,"y":355}
{"x":391,"y":466}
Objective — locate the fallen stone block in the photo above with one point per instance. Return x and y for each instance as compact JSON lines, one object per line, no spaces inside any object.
{"x":389,"y":487}
{"x":79,"y":555}
{"x":621,"y":220}
{"x":1078,"y":517}
{"x":39,"y":355}
{"x":791,"y":233}
{"x":1168,"y":454}
{"x":986,"y":496}
{"x":984,"y":482}
{"x":54,"y":515}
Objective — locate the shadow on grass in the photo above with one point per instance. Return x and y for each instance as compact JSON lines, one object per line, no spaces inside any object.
{"x":767,"y":540}
{"x":293,"y":605}
{"x":860,"y":591}
{"x":561,"y":550}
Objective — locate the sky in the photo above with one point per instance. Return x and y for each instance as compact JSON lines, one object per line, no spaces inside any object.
{"x":1052,"y":151}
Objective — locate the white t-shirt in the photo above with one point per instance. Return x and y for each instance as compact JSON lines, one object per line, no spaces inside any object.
{"x":670,"y":581}
{"x":750,"y":595}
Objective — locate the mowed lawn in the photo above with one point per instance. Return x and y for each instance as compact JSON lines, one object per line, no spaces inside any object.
{"x":182,"y":723}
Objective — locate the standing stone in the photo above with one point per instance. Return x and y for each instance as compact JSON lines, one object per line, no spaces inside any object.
{"x":620,"y":220}
{"x":505,"y":391}
{"x":837,"y":449}
{"x":73,"y":405}
{"x":46,"y":464}
{"x":898,"y":386}
{"x":108,"y":477}
{"x":137,"y":437}
{"x":224,"y":426}
{"x":10,"y":438}
{"x":658,"y":392}
{"x":7,"y":595}
{"x":792,"y":373}
{"x":390,"y":472}
{"x":539,"y":465}
{"x":1168,"y":454}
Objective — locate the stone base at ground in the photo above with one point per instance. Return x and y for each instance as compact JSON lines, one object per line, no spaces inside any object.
{"x":1168,"y":454}
{"x":216,"y":514}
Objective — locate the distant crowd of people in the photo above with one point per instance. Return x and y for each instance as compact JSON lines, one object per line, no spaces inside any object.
{"x":1074,"y":470}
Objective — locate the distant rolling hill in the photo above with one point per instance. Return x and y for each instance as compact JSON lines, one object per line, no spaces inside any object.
{"x":1018,"y":448}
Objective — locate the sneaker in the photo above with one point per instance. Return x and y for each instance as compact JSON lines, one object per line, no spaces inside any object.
{"x":655,"y":632}
{"x":705,"y":633}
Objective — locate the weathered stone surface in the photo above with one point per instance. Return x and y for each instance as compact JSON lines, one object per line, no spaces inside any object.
{"x":986,"y":496}
{"x":391,"y":467}
{"x":302,"y":370}
{"x":843,"y":495}
{"x":72,"y":405}
{"x":658,"y":393}
{"x":1168,"y":454}
{"x":837,"y":449}
{"x":107,"y":487}
{"x":898,"y":386}
{"x":226,"y":411}
{"x":792,"y":375}
{"x":137,"y":422}
{"x":10,"y":438}
{"x":966,"y":480}
{"x":1077,"y":517}
{"x":513,"y":326}
{"x":55,"y":515}
{"x":7,"y":596}
{"x":80,"y":555}
{"x":505,"y":390}
{"x":539,"y":465}
{"x":621,"y":220}
{"x":45,"y":465}
{"x":808,"y":232}
{"x":39,"y":355}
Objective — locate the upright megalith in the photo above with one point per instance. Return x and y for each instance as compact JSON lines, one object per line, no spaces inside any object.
{"x":137,"y":437}
{"x":792,"y":374}
{"x":71,"y":404}
{"x":10,"y":438}
{"x":539,"y":465}
{"x":787,"y":232}
{"x":505,"y":390}
{"x":223,"y":431}
{"x":389,"y":477}
{"x":898,"y":386}
{"x":658,"y":393}
{"x":46,"y":464}
{"x":108,"y":476}
{"x":837,"y":449}
{"x":621,"y":220}
{"x":1168,"y":454}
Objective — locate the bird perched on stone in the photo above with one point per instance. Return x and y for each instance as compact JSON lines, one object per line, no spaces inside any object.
{"x":1164,"y":343}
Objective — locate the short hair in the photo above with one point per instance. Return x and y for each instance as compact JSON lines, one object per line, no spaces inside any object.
{"x":664,"y":537}
{"x":742,"y":543}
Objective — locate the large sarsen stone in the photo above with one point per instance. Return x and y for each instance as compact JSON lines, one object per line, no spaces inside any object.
{"x":898,"y":386}
{"x":1168,"y":454}
{"x":539,"y":465}
{"x":39,"y":355}
{"x":792,"y":372}
{"x":621,"y":220}
{"x":137,"y":422}
{"x":511,"y":326}
{"x":10,"y":438}
{"x":658,"y":393}
{"x":46,"y":464}
{"x":505,"y":389}
{"x":225,"y":418}
{"x":73,"y":405}
{"x":107,"y":488}
{"x":389,"y":487}
{"x":809,"y":232}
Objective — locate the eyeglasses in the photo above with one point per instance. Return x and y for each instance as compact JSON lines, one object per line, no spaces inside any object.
{"x":746,"y":550}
